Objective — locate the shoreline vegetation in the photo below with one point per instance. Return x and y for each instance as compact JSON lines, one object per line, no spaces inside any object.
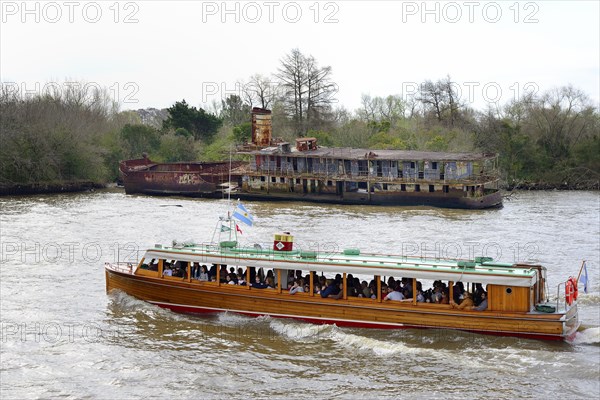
{"x":73,"y":135}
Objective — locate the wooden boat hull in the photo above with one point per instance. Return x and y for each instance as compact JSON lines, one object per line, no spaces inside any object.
{"x":200,"y":297}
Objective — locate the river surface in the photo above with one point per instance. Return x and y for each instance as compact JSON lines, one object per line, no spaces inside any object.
{"x":63,"y":336}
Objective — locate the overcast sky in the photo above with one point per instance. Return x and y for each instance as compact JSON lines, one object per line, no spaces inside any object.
{"x":153,"y":53}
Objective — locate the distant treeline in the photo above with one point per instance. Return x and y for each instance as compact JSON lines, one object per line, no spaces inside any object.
{"x":547,"y":140}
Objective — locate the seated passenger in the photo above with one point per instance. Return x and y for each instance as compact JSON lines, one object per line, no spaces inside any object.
{"x":445,"y":296}
{"x":203,"y":275}
{"x":297,"y":287}
{"x":240,"y":280}
{"x":167,"y":270}
{"x":483,"y":305}
{"x":465,"y":304}
{"x":331,"y":291}
{"x":258,"y":284}
{"x":366,"y":292}
{"x":231,"y":279}
{"x":270,"y":282}
{"x":395,"y":295}
{"x":420,"y":297}
{"x":477,"y":299}
{"x":457,"y":291}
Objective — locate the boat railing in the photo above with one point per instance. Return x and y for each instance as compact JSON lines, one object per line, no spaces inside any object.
{"x":128,"y":254}
{"x":562,"y":306}
{"x":125,"y":267}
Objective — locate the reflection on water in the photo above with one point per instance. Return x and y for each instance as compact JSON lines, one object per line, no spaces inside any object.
{"x":62,"y":336}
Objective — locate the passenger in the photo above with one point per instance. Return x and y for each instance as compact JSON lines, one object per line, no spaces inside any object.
{"x":240,"y":280}
{"x":203,"y":275}
{"x":465,"y":304}
{"x":231,"y":279}
{"x":457,"y":292}
{"x":436,"y":296}
{"x":270,"y":282}
{"x":223,"y":274}
{"x":258,"y":284}
{"x":290,"y":278}
{"x":483,"y":305}
{"x":420,"y":297}
{"x":297,"y":287}
{"x":306,"y":288}
{"x":366,"y":292}
{"x":445,"y":296}
{"x":395,"y":295}
{"x":213,"y":272}
{"x":391,"y":282}
{"x":477,"y":294}
{"x":331,"y":291}
{"x":167,"y":270}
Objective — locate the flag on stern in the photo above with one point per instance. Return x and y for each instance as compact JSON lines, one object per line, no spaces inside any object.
{"x":584,"y":278}
{"x":243,"y":215}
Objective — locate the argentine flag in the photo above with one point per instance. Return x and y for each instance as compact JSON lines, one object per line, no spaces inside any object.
{"x":584,"y":278}
{"x":242,"y":215}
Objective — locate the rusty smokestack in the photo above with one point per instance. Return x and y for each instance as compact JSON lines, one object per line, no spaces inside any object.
{"x":261,"y":127}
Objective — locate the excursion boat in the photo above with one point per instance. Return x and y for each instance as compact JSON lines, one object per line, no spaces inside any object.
{"x":517,"y":294}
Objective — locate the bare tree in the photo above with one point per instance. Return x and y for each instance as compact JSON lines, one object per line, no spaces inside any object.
{"x":307,"y":90}
{"x":260,"y":91}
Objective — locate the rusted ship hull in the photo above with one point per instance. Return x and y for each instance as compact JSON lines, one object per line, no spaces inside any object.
{"x":445,"y":200}
{"x":198,"y":179}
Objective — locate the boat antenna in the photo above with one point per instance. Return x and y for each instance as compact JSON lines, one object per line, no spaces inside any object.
{"x":229,"y":183}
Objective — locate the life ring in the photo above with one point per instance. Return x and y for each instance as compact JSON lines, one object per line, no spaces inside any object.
{"x":569,"y":291}
{"x":575,"y":291}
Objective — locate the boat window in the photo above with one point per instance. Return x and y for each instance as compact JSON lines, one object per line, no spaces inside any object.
{"x":262,"y":178}
{"x":402,"y":187}
{"x":508,"y":290}
{"x":282,"y":180}
{"x":417,"y":188}
{"x":446,"y":188}
{"x":432,"y":188}
{"x":151,"y":265}
{"x":273,"y":179}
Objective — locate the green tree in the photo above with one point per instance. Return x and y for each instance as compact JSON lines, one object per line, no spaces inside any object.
{"x":197,"y":121}
{"x":175,"y":148}
{"x":234,"y":110}
{"x":139,"y":139}
{"x":243,"y":132}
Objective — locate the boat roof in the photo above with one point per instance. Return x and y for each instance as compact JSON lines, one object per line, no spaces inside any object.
{"x":351,"y":261}
{"x":370,"y":154}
